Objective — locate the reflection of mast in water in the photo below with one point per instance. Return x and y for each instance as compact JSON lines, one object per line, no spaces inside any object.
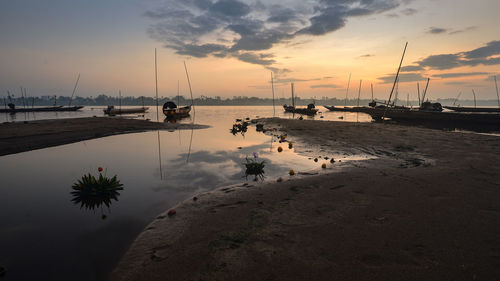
{"x":157,"y":117}
{"x":194,"y":113}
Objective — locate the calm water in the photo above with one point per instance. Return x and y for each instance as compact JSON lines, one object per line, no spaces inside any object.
{"x":45,"y":236}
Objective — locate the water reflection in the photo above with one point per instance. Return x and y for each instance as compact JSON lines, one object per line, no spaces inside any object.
{"x":94,"y":193}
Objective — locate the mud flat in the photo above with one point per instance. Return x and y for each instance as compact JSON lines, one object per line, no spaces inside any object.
{"x":18,"y":137}
{"x":424,"y":207}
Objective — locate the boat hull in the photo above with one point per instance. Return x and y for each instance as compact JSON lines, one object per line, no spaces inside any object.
{"x":179,"y":112}
{"x":472,"y":109}
{"x":303,"y":111}
{"x":117,"y":111}
{"x":435,"y":116}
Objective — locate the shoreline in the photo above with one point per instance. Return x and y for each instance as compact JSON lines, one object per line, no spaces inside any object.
{"x":425,"y":208}
{"x":16,"y":137}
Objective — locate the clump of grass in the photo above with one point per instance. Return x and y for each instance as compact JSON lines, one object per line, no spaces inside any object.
{"x":92,"y":193}
{"x":255,"y":168}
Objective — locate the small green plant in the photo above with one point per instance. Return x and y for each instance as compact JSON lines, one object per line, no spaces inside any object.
{"x":255,"y":168}
{"x":92,"y":193}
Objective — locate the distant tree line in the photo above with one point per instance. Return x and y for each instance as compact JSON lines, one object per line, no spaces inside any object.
{"x":206,"y":100}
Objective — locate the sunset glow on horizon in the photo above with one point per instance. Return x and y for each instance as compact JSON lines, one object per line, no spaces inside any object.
{"x":231,"y":47}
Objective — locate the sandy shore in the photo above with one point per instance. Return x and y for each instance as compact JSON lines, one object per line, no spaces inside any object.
{"x":426,"y":208}
{"x":17,"y":137}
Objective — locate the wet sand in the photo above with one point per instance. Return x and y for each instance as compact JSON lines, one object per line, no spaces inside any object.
{"x":426,"y":208}
{"x":18,"y":137}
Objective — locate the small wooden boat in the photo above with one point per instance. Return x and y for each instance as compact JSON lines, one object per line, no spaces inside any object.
{"x":472,"y":109}
{"x":309,"y":110}
{"x":345,"y":109}
{"x":111,"y":110}
{"x":171,"y":110}
{"x":12,"y":109}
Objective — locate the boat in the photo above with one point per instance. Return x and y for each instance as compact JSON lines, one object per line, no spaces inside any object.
{"x":417,"y":115}
{"x":309,"y":110}
{"x":345,"y":109}
{"x":111,"y":110}
{"x":12,"y":109}
{"x":472,"y":109}
{"x":172,"y":111}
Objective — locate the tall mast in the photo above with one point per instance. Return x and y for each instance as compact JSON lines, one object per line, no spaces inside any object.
{"x":418,"y":92}
{"x":178,"y":96}
{"x":372,"y":90}
{"x":74,"y":89}
{"x":425,"y":91}
{"x":347,"y":91}
{"x":359,"y":91}
{"x":474,"y":94}
{"x":156,"y":86}
{"x":496,"y":86}
{"x":272,"y":89}
{"x":293,"y":97}
{"x":457,"y":98}
{"x":190,"y":91}
{"x":397,"y":75}
{"x":120,"y":99}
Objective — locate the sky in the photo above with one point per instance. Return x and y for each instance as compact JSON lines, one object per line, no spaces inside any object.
{"x":231,"y":47}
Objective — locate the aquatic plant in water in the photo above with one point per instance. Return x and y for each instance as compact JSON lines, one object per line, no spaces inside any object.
{"x":92,"y":193}
{"x":254,"y":167}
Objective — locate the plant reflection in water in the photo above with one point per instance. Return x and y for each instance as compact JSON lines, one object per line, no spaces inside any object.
{"x":92,"y":193}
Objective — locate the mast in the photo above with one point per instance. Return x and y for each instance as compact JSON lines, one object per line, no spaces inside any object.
{"x":395,"y":80}
{"x":397,"y":93}
{"x":496,"y":86}
{"x":359,"y":91}
{"x":372,"y":90}
{"x":4,"y":103}
{"x":418,"y":92}
{"x":190,"y":90}
{"x":293,"y":97}
{"x":178,"y":97}
{"x":457,"y":98}
{"x":425,"y":91}
{"x":156,"y":86}
{"x":120,"y":99}
{"x":22,"y":97}
{"x":474,"y":94}
{"x":272,"y":89}
{"x":397,"y":76}
{"x":74,"y":89}
{"x":408,"y":99}
{"x":347,"y":91}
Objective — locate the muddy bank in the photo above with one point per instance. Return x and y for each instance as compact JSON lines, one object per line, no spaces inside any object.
{"x":426,"y":208}
{"x":18,"y":137}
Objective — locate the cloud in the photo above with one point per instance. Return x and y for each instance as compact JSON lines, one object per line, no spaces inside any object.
{"x":485,"y":55}
{"x":330,"y":86}
{"x":366,"y":56}
{"x":247,"y":29}
{"x":462,"y":74}
{"x":409,"y":11}
{"x":411,"y":68}
{"x":463,"y":30}
{"x":436,"y":30}
{"x":403,"y":77}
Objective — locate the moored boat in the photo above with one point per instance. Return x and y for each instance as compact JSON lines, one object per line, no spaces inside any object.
{"x":111,"y":110}
{"x":472,"y":109}
{"x":171,"y":110}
